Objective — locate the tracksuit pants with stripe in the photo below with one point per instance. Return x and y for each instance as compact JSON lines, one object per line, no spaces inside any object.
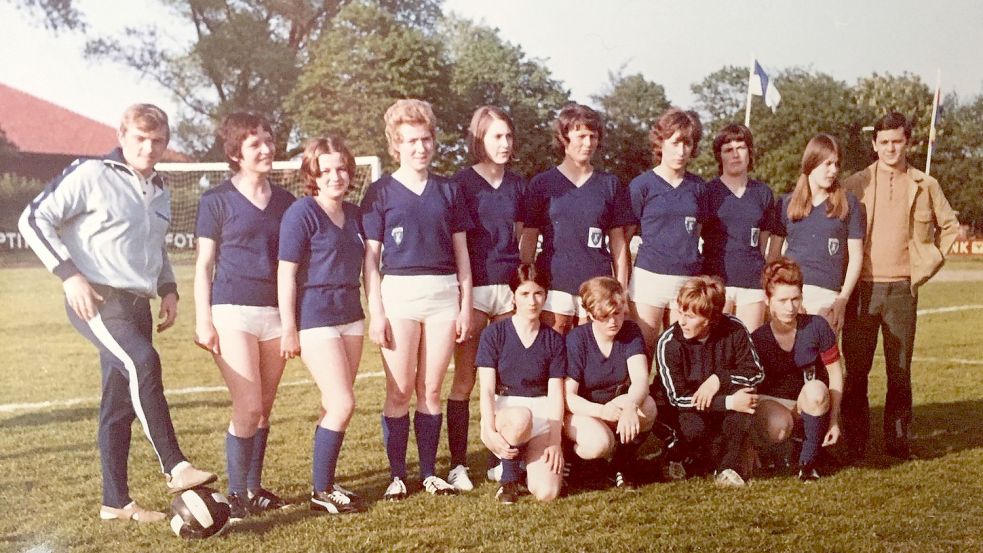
{"x":131,"y":388}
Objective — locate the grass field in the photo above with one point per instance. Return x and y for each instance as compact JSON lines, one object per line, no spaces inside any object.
{"x":50,"y":483}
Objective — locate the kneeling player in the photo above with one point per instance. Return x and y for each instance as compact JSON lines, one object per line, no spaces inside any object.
{"x":803,"y":376}
{"x":709,"y":368}
{"x":607,"y":382}
{"x":521,"y":366}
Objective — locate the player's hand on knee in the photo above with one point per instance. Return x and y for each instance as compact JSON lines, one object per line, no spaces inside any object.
{"x":81,"y":297}
{"x":744,"y":401}
{"x":380,"y":332}
{"x":704,"y":394}
{"x":289,"y":344}
{"x":206,"y":337}
{"x":168,"y":312}
{"x":553,"y":455}
{"x":628,"y":425}
{"x":611,"y":411}
{"x":498,"y":445}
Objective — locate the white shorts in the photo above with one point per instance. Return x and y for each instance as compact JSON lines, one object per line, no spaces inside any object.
{"x":817,"y":298}
{"x":421,"y":297}
{"x":744,"y":296}
{"x":563,"y":303}
{"x":261,"y":321}
{"x":654,"y":289}
{"x":492,"y":299}
{"x":328,"y":332}
{"x":539,"y":406}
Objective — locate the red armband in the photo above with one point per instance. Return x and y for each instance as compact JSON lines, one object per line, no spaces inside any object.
{"x":832,"y":355}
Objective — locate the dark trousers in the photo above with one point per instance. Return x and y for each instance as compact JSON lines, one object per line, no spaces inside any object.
{"x":891,"y":309}
{"x":131,"y":388}
{"x":716,"y":439}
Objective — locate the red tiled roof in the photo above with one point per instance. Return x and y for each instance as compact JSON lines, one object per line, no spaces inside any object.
{"x":38,"y":126}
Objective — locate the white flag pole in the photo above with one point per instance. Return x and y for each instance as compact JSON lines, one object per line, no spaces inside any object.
{"x":747,"y":109}
{"x":935,"y":113}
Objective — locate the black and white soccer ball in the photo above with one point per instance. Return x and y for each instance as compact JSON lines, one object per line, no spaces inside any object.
{"x":199,"y":513}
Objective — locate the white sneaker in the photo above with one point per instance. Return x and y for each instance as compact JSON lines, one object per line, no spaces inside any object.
{"x":458,"y":477}
{"x":728,"y":478}
{"x":396,"y":490}
{"x":436,"y":485}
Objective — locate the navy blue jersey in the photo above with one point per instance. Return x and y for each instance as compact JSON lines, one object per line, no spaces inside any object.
{"x":329,"y":262}
{"x":492,"y":243}
{"x":732,"y":232}
{"x":521,"y":371}
{"x":786,"y":371}
{"x":818,"y":243}
{"x":247,"y":240}
{"x":667,"y":218}
{"x":602,"y":378}
{"x":416,"y":231}
{"x":573,"y":222}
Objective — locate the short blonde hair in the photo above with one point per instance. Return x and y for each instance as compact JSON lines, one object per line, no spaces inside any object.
{"x":704,"y":296}
{"x":407,"y":112}
{"x":602,"y":297}
{"x":146,"y":117}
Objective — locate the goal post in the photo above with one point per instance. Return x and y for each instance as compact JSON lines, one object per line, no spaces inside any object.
{"x":188,"y":181}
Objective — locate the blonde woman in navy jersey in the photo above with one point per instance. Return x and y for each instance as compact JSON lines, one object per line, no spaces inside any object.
{"x":581,"y":213}
{"x":825,"y":230}
{"x":741,"y":219}
{"x":494,"y":196}
{"x":418,"y":284}
{"x":236,"y":315}
{"x":670,"y":206}
{"x":321,"y":257}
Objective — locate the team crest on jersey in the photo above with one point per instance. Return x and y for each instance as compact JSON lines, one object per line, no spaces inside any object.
{"x":690,"y":224}
{"x":833,"y":246}
{"x":594,"y":237}
{"x":397,"y":234}
{"x":755,"y":234}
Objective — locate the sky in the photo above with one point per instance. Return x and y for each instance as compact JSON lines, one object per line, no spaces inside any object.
{"x":673,"y":43}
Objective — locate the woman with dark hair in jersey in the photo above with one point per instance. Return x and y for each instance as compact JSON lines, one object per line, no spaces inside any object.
{"x":321,"y":257}
{"x":522,"y":364}
{"x":494,"y":196}
{"x":803,"y":382}
{"x":670,"y":205}
{"x":609,"y":407}
{"x":236,"y":315}
{"x":817,"y":220}
{"x":741,"y":218}
{"x":581,"y":213}
{"x":418,"y":285}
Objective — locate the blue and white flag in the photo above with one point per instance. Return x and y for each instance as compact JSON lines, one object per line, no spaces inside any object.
{"x":761,"y":85}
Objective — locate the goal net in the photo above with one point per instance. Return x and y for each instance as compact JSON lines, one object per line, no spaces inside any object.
{"x":188,"y":181}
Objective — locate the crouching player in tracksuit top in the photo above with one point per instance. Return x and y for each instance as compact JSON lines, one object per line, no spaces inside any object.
{"x":100,"y":227}
{"x":709,"y":369}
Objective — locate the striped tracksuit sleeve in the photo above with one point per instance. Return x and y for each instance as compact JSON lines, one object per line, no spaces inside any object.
{"x":671,"y":366}
{"x":746,"y":371}
{"x":42,"y":219}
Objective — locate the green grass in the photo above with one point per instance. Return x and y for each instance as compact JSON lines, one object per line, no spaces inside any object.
{"x":50,"y":484}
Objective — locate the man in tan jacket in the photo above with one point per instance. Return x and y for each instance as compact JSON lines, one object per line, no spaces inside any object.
{"x":910,"y":228}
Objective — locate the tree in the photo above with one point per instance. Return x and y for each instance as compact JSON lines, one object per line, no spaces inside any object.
{"x":56,"y":15}
{"x":366,"y":60}
{"x":631,"y":105}
{"x":907,"y":94}
{"x":958,"y":159}
{"x":485,"y":70}
{"x":246,"y":55}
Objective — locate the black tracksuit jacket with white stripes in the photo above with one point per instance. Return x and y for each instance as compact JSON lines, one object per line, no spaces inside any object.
{"x":727,"y":352}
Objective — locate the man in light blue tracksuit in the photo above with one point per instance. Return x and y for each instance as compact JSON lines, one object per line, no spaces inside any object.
{"x":100,"y":227}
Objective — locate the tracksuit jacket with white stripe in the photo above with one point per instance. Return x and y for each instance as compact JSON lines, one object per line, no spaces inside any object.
{"x":727,"y":352}
{"x":93,"y":220}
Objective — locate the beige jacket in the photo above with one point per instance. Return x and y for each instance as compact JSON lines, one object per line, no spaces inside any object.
{"x":932,"y":224}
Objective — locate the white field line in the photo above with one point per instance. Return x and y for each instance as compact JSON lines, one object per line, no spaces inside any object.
{"x":949,"y":309}
{"x":947,"y":360}
{"x":42,"y":405}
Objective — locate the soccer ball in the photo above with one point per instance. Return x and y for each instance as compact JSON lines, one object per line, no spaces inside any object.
{"x":199,"y":513}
